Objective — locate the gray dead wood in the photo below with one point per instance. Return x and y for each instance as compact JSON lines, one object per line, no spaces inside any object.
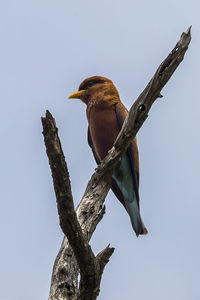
{"x":91,"y":267}
{"x":75,"y":253}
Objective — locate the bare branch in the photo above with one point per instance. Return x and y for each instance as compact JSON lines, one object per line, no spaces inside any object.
{"x":65,"y":284}
{"x":104,"y":256}
{"x":90,"y":211}
{"x":89,"y":266}
{"x":68,"y":219}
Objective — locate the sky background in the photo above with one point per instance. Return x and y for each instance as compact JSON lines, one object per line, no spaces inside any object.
{"x":47,"y":48}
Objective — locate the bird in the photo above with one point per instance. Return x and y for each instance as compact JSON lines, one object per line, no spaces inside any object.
{"x":106,"y":114}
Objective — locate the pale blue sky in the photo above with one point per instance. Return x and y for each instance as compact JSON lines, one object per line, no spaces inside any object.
{"x":47,"y":48}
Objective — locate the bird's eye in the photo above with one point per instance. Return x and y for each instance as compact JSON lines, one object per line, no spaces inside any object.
{"x":91,"y":83}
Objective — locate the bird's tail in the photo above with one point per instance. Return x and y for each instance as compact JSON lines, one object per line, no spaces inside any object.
{"x":136,"y":221}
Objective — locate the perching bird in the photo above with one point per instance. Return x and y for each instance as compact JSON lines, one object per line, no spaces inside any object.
{"x":106,"y":114}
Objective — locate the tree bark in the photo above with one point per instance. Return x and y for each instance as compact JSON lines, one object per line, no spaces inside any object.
{"x":76,"y":255}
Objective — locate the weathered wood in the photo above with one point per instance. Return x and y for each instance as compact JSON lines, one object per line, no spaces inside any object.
{"x":66,"y":270}
{"x":91,"y":268}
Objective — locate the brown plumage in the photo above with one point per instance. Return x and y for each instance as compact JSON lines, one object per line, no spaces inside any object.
{"x":106,"y":114}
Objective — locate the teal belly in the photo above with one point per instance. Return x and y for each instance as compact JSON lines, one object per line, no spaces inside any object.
{"x":124,"y":179}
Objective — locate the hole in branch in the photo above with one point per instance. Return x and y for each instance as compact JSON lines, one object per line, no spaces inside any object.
{"x":162,"y":69}
{"x":142,"y":107}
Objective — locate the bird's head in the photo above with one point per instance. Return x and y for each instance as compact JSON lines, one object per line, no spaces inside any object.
{"x":96,"y":88}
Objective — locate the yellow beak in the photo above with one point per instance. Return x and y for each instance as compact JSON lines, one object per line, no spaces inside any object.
{"x":77,"y":94}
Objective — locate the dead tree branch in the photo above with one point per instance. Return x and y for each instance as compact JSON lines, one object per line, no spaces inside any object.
{"x":91,"y":268}
{"x":78,"y":227}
